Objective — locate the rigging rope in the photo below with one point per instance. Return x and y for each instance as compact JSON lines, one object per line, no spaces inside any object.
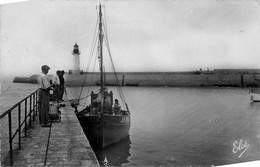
{"x":91,"y":79}
{"x":119,"y":89}
{"x":113,"y":67}
{"x":94,"y":41}
{"x":92,"y":53}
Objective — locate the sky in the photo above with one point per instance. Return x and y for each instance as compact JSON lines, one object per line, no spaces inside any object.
{"x":144,"y":35}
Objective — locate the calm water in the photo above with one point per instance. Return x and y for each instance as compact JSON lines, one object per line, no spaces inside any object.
{"x":11,"y":93}
{"x":187,"y":126}
{"x":178,"y":126}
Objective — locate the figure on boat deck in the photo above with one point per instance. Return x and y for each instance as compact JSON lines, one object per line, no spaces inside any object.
{"x":96,"y":104}
{"x":117,"y":107}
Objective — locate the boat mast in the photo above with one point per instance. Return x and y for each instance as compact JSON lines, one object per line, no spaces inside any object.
{"x":101,"y":57}
{"x":101,"y":47}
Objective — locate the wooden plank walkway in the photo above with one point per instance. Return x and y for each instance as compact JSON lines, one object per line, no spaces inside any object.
{"x":62,"y":144}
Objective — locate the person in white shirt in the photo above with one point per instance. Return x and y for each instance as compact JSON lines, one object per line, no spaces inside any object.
{"x":44,"y":96}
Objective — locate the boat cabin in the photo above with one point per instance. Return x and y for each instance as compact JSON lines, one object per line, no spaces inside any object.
{"x":95,"y":106}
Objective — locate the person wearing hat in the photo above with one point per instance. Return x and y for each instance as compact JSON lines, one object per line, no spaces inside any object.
{"x":44,"y":96}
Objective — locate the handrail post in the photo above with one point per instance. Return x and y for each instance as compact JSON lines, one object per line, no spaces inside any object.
{"x":34,"y":107}
{"x":37,"y":102}
{"x":10,"y":138}
{"x":30,"y":111}
{"x":25,"y":118}
{"x":19,"y":124}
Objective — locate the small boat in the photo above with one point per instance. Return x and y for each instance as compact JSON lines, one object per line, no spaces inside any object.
{"x":254,"y":95}
{"x":102,"y":121}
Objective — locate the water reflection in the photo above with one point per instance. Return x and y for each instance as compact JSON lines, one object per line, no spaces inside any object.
{"x":254,"y":106}
{"x":115,"y":154}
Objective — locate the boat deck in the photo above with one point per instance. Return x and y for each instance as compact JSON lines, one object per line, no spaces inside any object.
{"x":62,"y":144}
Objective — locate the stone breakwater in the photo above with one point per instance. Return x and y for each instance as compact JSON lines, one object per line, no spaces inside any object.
{"x":31,"y":79}
{"x":228,"y":78}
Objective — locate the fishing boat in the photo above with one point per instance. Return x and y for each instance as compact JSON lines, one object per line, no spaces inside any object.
{"x":103,"y":120}
{"x":254,"y":95}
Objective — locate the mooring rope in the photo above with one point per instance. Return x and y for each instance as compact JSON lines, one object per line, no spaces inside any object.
{"x":6,"y":89}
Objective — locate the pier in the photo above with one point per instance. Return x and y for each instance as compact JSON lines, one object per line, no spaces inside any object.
{"x":62,"y":144}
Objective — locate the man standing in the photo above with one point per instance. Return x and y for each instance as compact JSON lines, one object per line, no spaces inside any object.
{"x":62,"y":83}
{"x":44,"y":96}
{"x":56,"y":84}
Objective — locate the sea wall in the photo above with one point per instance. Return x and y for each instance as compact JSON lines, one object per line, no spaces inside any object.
{"x":167,"y":79}
{"x":32,"y":79}
{"x":235,"y":78}
{"x":21,"y":80}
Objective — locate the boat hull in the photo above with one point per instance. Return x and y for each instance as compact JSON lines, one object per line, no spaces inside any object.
{"x":107,"y":130}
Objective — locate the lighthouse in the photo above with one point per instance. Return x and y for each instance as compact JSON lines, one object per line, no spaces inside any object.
{"x":76,"y":53}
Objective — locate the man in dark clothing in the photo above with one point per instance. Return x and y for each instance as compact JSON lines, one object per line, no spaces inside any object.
{"x":62,"y":83}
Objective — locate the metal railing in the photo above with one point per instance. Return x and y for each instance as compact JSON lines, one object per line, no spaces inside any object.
{"x":33,"y":109}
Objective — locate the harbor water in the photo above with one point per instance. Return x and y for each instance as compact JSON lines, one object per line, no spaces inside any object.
{"x":177,"y":126}
{"x":11,"y":94}
{"x":187,"y":126}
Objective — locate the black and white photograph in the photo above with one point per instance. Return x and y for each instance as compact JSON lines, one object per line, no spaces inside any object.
{"x":130,"y":83}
